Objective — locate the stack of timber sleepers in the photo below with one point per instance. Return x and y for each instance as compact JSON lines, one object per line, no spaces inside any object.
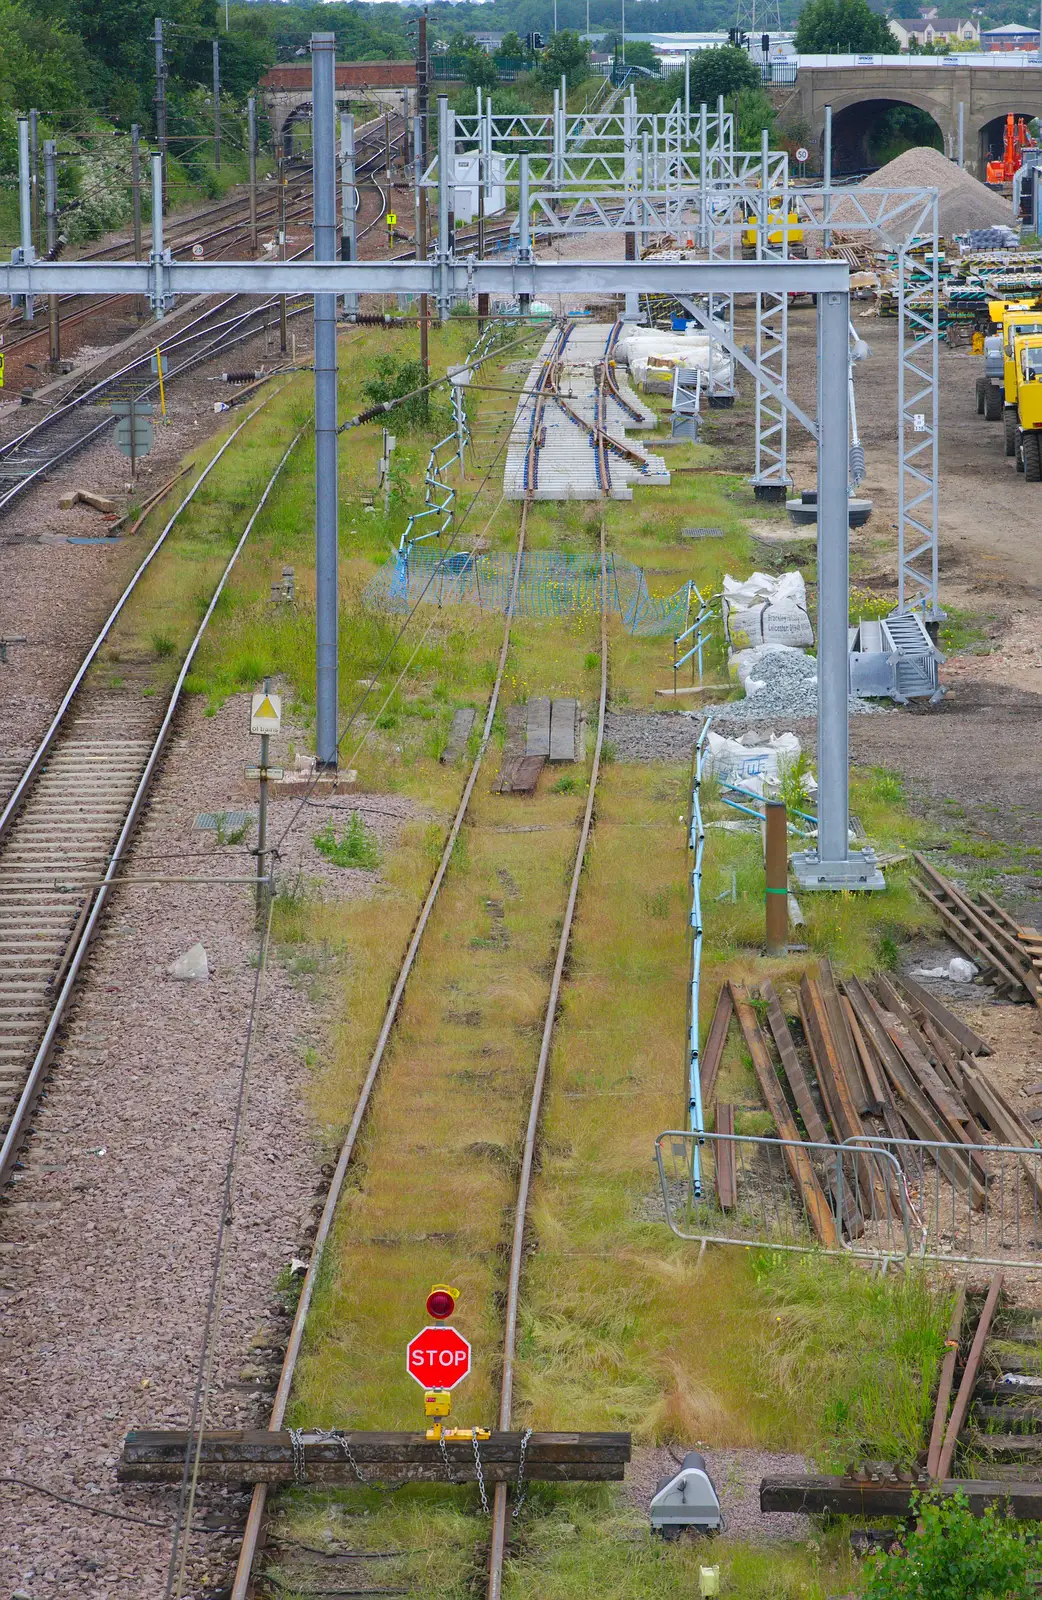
{"x":1007,"y":953}
{"x":879,"y":1060}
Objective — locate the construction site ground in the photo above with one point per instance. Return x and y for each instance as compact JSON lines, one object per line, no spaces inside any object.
{"x":973,"y":759}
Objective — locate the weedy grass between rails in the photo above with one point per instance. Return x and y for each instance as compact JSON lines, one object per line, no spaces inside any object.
{"x":859,"y":1353}
{"x":437,"y":1168}
{"x":584,"y":1543}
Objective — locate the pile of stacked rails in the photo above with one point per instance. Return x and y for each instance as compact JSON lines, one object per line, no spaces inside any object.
{"x":881,"y":1060}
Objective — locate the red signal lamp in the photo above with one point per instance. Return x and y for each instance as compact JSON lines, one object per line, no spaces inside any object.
{"x":441,"y":1302}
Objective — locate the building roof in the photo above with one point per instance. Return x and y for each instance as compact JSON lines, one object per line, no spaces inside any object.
{"x":1010,"y":30}
{"x":938,"y":24}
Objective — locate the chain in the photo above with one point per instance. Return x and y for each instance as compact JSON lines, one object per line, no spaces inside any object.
{"x":296,"y":1439}
{"x":481,"y":1476}
{"x":345,"y":1445}
{"x":448,"y":1464}
{"x":521,"y":1491}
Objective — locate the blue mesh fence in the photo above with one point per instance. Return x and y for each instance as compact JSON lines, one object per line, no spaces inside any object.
{"x":552,"y":584}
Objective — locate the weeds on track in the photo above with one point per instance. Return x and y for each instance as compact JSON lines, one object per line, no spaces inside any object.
{"x":620,"y":1328}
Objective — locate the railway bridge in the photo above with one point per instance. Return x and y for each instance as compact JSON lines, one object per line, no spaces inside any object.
{"x":860,"y":89}
{"x":286,"y":90}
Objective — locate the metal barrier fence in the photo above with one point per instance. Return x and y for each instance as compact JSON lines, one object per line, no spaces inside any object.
{"x":439,"y":496}
{"x":872,"y":1198}
{"x":700,"y":632}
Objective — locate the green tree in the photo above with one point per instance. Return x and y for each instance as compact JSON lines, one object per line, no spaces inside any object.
{"x":953,"y":1555}
{"x":724,"y":70}
{"x":641,"y":54}
{"x":755,"y":112}
{"x":117,"y":35}
{"x":394,"y":377}
{"x":566,"y":53}
{"x":511,"y":48}
{"x":41,"y":63}
{"x":837,"y":26}
{"x":480,"y":70}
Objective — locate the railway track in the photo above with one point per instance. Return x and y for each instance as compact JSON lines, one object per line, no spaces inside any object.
{"x":64,"y":834}
{"x":500,"y":1509}
{"x":73,"y":424}
{"x":185,"y":238}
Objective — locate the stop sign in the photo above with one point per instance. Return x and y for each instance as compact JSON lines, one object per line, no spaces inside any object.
{"x":438,"y":1358}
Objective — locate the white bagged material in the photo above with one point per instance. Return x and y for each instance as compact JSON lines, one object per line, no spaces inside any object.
{"x":958,"y":970}
{"x":763,"y":609}
{"x":638,"y":348}
{"x":193,"y":965}
{"x":736,"y":762}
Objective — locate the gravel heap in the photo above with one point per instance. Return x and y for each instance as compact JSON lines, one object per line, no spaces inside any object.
{"x":790,"y":689}
{"x":964,"y":203}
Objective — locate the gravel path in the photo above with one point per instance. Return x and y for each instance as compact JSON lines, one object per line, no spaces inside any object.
{"x":106,"y":1246}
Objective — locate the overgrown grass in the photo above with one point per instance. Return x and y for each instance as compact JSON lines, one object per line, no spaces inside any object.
{"x":858,"y":1354}
{"x":620,"y":1327}
{"x":355,"y":846}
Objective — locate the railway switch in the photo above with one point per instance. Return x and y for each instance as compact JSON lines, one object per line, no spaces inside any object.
{"x":686,"y":1500}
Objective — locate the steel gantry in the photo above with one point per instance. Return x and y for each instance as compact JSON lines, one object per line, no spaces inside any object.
{"x":832,"y":865}
{"x":678,"y":176}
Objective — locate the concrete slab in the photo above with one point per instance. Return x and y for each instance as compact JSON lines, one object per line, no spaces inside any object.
{"x":567,"y":460}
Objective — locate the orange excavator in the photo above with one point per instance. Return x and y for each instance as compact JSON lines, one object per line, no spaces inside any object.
{"x":1015,"y":142}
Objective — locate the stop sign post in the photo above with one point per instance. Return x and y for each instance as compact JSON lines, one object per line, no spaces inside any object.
{"x":438,"y":1358}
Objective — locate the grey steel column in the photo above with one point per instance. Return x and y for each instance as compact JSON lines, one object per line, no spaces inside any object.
{"x":524,"y":242}
{"x":156,"y":257}
{"x":827,"y":178}
{"x":323,"y":59}
{"x":703,"y":161}
{"x":687,"y":97}
{"x":251,"y":140}
{"x":135,"y":184}
{"x":217,"y":105}
{"x":34,"y":172}
{"x":446,"y":172}
{"x":833,"y":865}
{"x":25,"y":209}
{"x":50,"y":211}
{"x":833,"y":557}
{"x":348,"y":248}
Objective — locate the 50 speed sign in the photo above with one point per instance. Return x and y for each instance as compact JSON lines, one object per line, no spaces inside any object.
{"x":438,"y":1358}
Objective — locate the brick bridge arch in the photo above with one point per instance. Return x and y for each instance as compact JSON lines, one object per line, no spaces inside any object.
{"x":986,"y":93}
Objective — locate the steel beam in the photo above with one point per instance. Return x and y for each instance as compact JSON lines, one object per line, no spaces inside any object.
{"x":323,"y":59}
{"x":506,"y":278}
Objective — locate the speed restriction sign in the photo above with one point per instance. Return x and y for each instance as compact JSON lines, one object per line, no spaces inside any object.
{"x":197,"y":250}
{"x":802,"y":154}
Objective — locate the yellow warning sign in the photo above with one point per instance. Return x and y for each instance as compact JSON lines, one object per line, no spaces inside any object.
{"x":266,"y":713}
{"x":1,"y":369}
{"x":391,"y":218}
